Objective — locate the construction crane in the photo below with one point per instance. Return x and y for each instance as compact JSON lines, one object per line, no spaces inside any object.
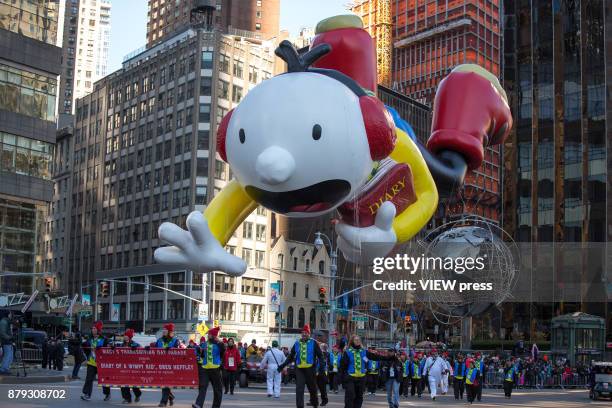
{"x":383,"y":40}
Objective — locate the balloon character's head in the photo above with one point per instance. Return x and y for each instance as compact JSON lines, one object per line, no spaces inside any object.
{"x":304,"y":142}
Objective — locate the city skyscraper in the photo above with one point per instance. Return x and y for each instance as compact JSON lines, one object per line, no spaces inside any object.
{"x":557,"y":168}
{"x":167,"y":17}
{"x":429,"y":39}
{"x":28,"y":88}
{"x":85,"y":40}
{"x":142,"y":151}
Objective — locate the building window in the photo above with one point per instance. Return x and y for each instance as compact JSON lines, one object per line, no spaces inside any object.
{"x":250,"y":313}
{"x":321,"y":267}
{"x":301,"y":317}
{"x":225,"y":310}
{"x":225,"y":283}
{"x":306,"y":291}
{"x":247,"y":256}
{"x":155,"y":310}
{"x":207,"y":59}
{"x":252,"y":286}
{"x":260,"y":233}
{"x":204,"y":116}
{"x":219,"y":170}
{"x":176,"y":281}
{"x":238,"y":69}
{"x":27,"y":93}
{"x":295,"y":262}
{"x":294,"y":289}
{"x":236,"y":93}
{"x":137,"y":285}
{"x":223,"y":89}
{"x":313,"y":319}
{"x":280,"y":260}
{"x":176,"y":309}
{"x":247,"y":230}
{"x":290,"y":317}
{"x":205,"y":86}
{"x":252,"y":74}
{"x":157,"y":280}
{"x":307,"y":265}
{"x":25,"y":156}
{"x":259,"y":259}
{"x":258,"y":26}
{"x":224,"y":63}
{"x":136,"y":310}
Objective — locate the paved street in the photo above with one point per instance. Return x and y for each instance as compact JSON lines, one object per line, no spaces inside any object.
{"x":255,"y":397}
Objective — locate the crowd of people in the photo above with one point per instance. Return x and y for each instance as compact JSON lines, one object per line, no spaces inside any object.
{"x":320,"y":369}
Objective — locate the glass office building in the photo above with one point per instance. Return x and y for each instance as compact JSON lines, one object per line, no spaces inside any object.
{"x":556,"y":162}
{"x":28,"y":88}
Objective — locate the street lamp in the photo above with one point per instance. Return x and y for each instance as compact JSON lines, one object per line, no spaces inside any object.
{"x":333,"y":255}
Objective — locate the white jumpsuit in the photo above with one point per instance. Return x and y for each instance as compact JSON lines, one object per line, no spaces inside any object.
{"x":435,"y":367}
{"x":445,"y":375}
{"x":271,"y":360}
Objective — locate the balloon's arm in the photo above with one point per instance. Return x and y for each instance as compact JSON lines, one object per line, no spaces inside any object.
{"x":409,"y":222}
{"x":227,"y":210}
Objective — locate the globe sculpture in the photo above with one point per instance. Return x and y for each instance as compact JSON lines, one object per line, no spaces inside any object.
{"x":469,"y":238}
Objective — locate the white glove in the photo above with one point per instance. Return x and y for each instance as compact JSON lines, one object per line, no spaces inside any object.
{"x":197,"y":248}
{"x":362,"y":245}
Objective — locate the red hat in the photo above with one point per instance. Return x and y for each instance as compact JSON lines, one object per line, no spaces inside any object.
{"x":98,"y":325}
{"x":202,"y":339}
{"x":214,"y":331}
{"x":224,"y":340}
{"x":306,"y":329}
{"x":129,"y":333}
{"x":169,"y":327}
{"x":434,"y":350}
{"x":477,"y":355}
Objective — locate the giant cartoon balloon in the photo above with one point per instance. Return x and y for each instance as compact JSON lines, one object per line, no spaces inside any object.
{"x":316,"y":140}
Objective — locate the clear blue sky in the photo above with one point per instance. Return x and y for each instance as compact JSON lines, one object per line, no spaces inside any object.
{"x":129,"y":22}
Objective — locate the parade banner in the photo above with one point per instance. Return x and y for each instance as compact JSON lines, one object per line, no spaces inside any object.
{"x":154,"y":367}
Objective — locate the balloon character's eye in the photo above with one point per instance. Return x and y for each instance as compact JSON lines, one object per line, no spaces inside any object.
{"x":316,"y":132}
{"x":241,"y":136}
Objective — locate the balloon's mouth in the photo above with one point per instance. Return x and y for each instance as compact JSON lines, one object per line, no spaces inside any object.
{"x":312,"y":199}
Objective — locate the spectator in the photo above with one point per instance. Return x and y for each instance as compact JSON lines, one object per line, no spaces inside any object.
{"x":252,"y":350}
{"x":6,"y":339}
{"x":76,"y":351}
{"x":231,"y":362}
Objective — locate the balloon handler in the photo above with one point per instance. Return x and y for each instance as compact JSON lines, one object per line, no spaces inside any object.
{"x":210,"y":357}
{"x":125,"y":391}
{"x":316,"y":139}
{"x":305,"y":352}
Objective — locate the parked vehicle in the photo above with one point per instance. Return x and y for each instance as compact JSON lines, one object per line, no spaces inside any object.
{"x":602,"y":380}
{"x":250,"y":370}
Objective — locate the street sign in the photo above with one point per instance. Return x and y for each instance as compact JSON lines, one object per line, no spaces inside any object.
{"x":29,"y":302}
{"x":69,"y":310}
{"x":202,"y":312}
{"x":322,"y":307}
{"x":360,"y":318}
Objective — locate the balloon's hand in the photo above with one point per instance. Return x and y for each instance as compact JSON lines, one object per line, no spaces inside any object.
{"x":362,"y":245}
{"x":196,"y":248}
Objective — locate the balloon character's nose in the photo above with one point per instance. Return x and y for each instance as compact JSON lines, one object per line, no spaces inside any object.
{"x":274,"y":165}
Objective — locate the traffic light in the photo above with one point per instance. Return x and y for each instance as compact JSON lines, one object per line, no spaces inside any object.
{"x":322,"y":295}
{"x":48,"y":284}
{"x":103,"y":289}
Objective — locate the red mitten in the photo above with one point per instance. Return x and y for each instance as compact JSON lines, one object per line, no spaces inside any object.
{"x":470,"y":112}
{"x":352,"y":49}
